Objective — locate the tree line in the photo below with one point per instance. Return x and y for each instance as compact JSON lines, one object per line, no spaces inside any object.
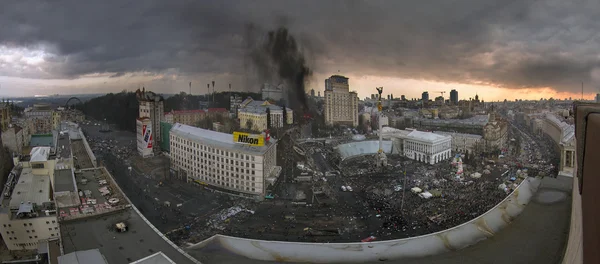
{"x":122,"y":108}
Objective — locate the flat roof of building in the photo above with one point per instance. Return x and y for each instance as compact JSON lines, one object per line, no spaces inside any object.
{"x":458,"y":134}
{"x":64,"y":181}
{"x":42,"y":140}
{"x":139,"y":241}
{"x":426,"y":136}
{"x":39,"y":154}
{"x":30,"y":188}
{"x":64,"y":147}
{"x":156,"y":258}
{"x":217,"y":139}
{"x":91,"y":256}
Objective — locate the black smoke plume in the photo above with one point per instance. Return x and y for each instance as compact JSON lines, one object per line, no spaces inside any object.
{"x":277,"y":57}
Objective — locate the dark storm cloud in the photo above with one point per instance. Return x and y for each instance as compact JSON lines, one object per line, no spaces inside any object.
{"x":512,"y":43}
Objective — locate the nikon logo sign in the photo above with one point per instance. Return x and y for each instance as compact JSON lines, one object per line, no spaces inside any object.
{"x":248,"y":139}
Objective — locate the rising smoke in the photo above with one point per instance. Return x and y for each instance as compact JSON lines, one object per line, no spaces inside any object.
{"x":277,"y":58}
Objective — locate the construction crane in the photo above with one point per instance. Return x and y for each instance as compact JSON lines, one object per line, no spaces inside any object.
{"x":442,"y":92}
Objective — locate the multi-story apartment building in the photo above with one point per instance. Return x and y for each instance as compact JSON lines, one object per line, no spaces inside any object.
{"x":453,"y":97}
{"x":495,"y":133}
{"x":254,"y":114}
{"x":152,"y":106}
{"x":341,"y":105}
{"x":5,"y":118}
{"x":14,"y":139}
{"x":234,"y":103}
{"x":28,"y":213}
{"x":463,"y":143}
{"x":39,"y":118}
{"x":56,"y":117}
{"x":223,"y":160}
{"x":145,"y":137}
{"x":186,"y":117}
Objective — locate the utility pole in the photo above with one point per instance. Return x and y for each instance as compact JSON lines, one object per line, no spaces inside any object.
{"x":403,"y":192}
{"x":190,"y":88}
{"x":208,"y":93}
{"x":581,"y":91}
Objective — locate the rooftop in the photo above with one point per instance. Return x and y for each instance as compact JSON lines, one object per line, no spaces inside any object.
{"x":217,"y":139}
{"x":139,"y":241}
{"x":64,"y":181}
{"x":253,"y":106}
{"x":156,"y":258}
{"x":64,"y":147}
{"x":30,"y":188}
{"x":458,"y":134}
{"x":426,"y":136}
{"x":200,"y":111}
{"x":42,"y":140}
{"x":217,"y":110}
{"x":39,"y":154}
{"x":91,"y":256}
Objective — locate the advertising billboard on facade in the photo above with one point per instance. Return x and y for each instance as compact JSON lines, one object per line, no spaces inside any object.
{"x":147,"y":134}
{"x":257,"y":140}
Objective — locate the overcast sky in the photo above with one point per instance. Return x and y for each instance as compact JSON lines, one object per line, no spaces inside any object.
{"x":498,"y":49}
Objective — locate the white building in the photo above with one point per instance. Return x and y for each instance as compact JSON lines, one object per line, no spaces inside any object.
{"x":461,"y":142}
{"x":213,"y":158}
{"x":144,"y":136}
{"x":341,"y":105}
{"x":427,"y":147}
{"x":27,"y":211}
{"x":255,"y":113}
{"x":418,"y":145}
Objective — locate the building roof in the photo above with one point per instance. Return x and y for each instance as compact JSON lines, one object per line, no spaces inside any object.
{"x":39,"y":154}
{"x":156,"y":258}
{"x":217,"y":110}
{"x":91,"y":256}
{"x":64,"y":180}
{"x":217,"y":139}
{"x":426,"y":136}
{"x":458,"y":134}
{"x":259,"y":107}
{"x":140,"y":240}
{"x":30,"y":188}
{"x":42,"y":140}
{"x":194,"y":111}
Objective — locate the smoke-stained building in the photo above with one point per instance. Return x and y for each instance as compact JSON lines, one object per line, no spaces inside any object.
{"x":341,"y":105}
{"x":152,"y":107}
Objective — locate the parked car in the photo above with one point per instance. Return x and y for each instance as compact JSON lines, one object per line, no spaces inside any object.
{"x":349,"y":188}
{"x":344,"y":188}
{"x":369,"y":239}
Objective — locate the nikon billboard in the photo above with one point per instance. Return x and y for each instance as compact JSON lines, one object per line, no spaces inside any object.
{"x":249,"y":139}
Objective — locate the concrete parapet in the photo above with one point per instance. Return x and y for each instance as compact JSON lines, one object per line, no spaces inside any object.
{"x":469,"y":233}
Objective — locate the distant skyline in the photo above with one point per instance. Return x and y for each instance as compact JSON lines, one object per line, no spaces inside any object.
{"x":497,"y":49}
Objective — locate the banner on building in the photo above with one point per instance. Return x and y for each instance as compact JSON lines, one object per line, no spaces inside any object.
{"x":249,"y":139}
{"x":147,"y":133}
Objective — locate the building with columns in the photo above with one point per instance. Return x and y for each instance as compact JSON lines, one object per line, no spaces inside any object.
{"x":427,"y":147}
{"x":422,"y":146}
{"x":563,"y":135}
